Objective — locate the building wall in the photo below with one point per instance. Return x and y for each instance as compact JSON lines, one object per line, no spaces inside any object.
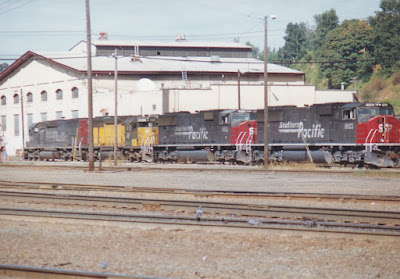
{"x":330,"y":96}
{"x":225,"y":96}
{"x":36,"y":77}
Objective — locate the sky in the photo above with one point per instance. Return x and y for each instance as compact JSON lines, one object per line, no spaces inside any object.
{"x":57,"y":25}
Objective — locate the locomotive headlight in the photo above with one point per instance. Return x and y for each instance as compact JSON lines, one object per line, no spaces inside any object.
{"x":36,"y":130}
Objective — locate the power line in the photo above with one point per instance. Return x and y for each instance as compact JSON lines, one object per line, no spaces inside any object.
{"x":17,"y":7}
{"x":6,"y":3}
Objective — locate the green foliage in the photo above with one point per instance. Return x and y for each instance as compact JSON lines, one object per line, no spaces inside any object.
{"x":386,"y":35}
{"x":384,"y":90}
{"x":3,"y":66}
{"x":365,"y":51}
{"x":256,"y":50}
{"x":347,"y":49}
{"x":297,"y":41}
{"x":326,"y":22}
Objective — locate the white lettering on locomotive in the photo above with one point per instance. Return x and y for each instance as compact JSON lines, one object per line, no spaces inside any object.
{"x":388,"y":127}
{"x":202,"y":134}
{"x":348,"y":126}
{"x":316,"y":131}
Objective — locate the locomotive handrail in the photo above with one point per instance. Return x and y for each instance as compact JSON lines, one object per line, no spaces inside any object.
{"x":370,"y":145}
{"x":374,"y":133}
{"x":239,"y":140}
{"x":249,"y":142}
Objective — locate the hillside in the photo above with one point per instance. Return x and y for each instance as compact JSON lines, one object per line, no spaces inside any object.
{"x":381,"y":89}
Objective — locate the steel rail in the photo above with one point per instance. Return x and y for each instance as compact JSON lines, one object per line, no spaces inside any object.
{"x":216,"y":208}
{"x":15,"y":271}
{"x":261,"y":224}
{"x":204,"y":193}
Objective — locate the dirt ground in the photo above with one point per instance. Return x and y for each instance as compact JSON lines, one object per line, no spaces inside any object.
{"x":170,"y":252}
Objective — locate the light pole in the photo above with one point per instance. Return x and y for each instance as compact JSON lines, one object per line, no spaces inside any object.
{"x":116,"y":107}
{"x":266,"y":140}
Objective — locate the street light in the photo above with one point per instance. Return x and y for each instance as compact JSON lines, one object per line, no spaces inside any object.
{"x":266,"y":141}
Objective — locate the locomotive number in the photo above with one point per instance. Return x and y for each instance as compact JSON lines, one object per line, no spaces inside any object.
{"x":348,"y":126}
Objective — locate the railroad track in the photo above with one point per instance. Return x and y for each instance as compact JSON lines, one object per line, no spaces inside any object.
{"x":213,"y":211}
{"x":231,"y":223}
{"x":321,"y":197}
{"x":13,"y":271}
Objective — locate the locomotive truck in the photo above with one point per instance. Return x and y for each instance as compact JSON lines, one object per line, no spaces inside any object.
{"x":341,"y":133}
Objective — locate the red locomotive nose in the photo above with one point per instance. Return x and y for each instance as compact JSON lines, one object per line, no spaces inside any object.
{"x":380,"y":129}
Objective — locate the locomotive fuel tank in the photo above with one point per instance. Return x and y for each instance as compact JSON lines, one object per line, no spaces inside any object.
{"x":318,"y":156}
{"x":194,"y":156}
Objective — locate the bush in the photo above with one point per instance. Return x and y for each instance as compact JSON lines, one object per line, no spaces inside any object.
{"x":396,"y":77}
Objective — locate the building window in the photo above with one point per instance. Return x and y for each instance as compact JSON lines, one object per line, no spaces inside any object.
{"x":3,"y":100}
{"x":29,"y":97}
{"x":59,"y":94}
{"x":75,"y":113}
{"x":43,"y":96}
{"x":43,"y":116}
{"x":75,"y":93}
{"x":16,"y":99}
{"x":59,"y":115}
{"x":3,"y":123}
{"x":30,"y":119}
{"x":16,"y":124}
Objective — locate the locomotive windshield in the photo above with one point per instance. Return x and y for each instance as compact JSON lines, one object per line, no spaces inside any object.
{"x":238,"y":118}
{"x":366,"y":113}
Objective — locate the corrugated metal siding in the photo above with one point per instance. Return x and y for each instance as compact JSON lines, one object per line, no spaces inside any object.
{"x":175,"y":51}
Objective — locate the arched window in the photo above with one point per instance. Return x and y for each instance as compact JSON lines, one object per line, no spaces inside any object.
{"x":43,"y":96}
{"x":29,"y":97}
{"x":75,"y":93}
{"x":16,"y":99}
{"x":3,"y":100}
{"x":59,"y":94}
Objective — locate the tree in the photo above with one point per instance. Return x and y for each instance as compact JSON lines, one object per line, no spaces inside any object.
{"x":3,"y":67}
{"x":348,"y":48}
{"x":386,"y":36}
{"x":255,"y":50}
{"x":296,"y":41}
{"x":326,"y":22}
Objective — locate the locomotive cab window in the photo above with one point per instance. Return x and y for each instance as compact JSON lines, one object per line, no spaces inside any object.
{"x":366,"y":113}
{"x":238,"y":118}
{"x":225,"y":119}
{"x":349,"y":114}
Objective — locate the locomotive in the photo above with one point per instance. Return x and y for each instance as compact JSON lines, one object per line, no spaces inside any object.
{"x":342,"y":133}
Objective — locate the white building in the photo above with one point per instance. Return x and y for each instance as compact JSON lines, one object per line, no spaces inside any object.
{"x":46,"y":86}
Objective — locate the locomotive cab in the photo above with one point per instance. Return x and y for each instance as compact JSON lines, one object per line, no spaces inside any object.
{"x":141,"y":133}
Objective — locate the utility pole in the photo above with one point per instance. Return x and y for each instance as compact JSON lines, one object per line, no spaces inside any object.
{"x":90,"y":88}
{"x":116,"y":107}
{"x":266,"y":148}
{"x":266,"y":139}
{"x":238,"y":89}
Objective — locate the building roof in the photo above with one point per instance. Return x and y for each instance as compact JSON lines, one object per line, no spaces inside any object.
{"x":77,"y":61}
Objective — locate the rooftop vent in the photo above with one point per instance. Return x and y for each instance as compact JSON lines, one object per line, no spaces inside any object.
{"x":103,"y":36}
{"x":180,"y":37}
